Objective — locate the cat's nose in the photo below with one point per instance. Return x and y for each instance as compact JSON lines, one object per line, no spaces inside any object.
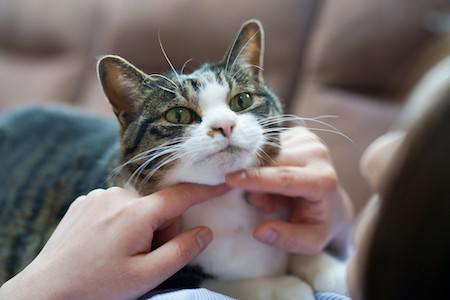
{"x":224,"y":127}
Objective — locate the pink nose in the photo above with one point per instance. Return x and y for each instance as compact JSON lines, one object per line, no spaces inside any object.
{"x":223,"y":127}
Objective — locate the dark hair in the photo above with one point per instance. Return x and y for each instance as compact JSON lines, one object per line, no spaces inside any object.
{"x":409,"y":254}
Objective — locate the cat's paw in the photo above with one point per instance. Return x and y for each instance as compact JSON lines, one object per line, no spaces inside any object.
{"x":290,"y":287}
{"x":332,"y":280}
{"x":323,"y":272}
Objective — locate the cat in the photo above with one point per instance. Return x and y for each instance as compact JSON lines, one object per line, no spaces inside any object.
{"x":173,"y":128}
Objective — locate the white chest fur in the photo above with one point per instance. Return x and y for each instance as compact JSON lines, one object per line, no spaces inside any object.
{"x":234,"y":253}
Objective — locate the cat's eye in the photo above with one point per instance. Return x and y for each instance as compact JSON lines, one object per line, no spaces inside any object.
{"x":179,"y":115}
{"x":241,"y":101}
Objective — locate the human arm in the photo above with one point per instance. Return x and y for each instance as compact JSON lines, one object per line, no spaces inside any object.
{"x":102,"y":247}
{"x":303,"y":177}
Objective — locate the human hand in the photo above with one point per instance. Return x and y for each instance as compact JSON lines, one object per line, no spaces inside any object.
{"x":102,"y":247}
{"x":302,"y":177}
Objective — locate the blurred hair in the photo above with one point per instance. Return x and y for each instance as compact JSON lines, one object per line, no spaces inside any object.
{"x":409,"y":254}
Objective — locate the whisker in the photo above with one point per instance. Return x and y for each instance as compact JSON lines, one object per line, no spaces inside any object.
{"x":167,"y":58}
{"x":185,"y":64}
{"x":243,"y":48}
{"x":263,"y":156}
{"x":229,"y":54}
{"x":245,"y":68}
{"x":157,"y":75}
{"x":167,"y":89}
{"x":303,"y":122}
{"x":138,"y":172}
{"x":160,"y":165}
{"x":172,"y":153}
{"x":145,"y":156}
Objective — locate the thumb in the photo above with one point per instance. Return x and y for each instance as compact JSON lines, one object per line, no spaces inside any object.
{"x":308,"y":239}
{"x":163,"y":262}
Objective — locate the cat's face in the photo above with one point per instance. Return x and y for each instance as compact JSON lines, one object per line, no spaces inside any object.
{"x":195,"y":127}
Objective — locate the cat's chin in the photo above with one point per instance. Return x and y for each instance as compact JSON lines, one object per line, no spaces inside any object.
{"x":210,"y":181}
{"x":211,"y":170}
{"x":206,"y":180}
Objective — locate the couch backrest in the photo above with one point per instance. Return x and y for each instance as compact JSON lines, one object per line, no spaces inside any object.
{"x":48,"y":48}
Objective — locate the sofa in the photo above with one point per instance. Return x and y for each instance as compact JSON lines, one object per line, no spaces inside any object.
{"x":353,"y":61}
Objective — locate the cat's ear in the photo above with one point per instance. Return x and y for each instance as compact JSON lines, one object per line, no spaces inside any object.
{"x":247,"y":49}
{"x":121,"y":82}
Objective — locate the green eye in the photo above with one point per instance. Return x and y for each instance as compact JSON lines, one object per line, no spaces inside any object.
{"x":241,"y":101}
{"x":179,"y":115}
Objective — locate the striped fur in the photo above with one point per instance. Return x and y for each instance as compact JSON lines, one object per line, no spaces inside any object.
{"x":49,"y":156}
{"x":141,"y":101}
{"x":172,"y":128}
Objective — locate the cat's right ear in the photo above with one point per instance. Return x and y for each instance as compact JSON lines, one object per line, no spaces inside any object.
{"x":121,"y":82}
{"x":248,"y":48}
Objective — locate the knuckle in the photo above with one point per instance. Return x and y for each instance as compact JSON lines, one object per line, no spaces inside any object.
{"x":184,"y":253}
{"x":322,"y":151}
{"x":119,"y":192}
{"x":287,"y":177}
{"x":314,"y":245}
{"x":114,"y":189}
{"x":96,"y":192}
{"x":254,"y":174}
{"x":329,"y":178}
{"x":317,"y":244}
{"x":77,"y":204}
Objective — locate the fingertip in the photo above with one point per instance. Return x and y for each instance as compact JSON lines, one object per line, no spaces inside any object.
{"x":204,"y":236}
{"x":282,"y":235}
{"x":177,"y":252}
{"x":266,"y":234}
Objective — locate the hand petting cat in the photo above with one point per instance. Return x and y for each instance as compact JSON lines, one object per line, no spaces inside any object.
{"x":302,"y":176}
{"x":102,"y":247}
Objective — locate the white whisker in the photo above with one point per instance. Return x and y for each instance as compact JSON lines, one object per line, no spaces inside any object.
{"x":184,"y":65}
{"x":243,"y":48}
{"x":229,"y":54}
{"x":164,"y":162}
{"x":148,"y":156}
{"x":167,"y":89}
{"x":157,"y":75}
{"x":167,"y":58}
{"x":303,"y":122}
{"x":138,"y":172}
{"x":245,"y":68}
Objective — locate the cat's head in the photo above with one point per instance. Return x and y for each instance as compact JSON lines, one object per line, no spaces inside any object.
{"x":194,"y":127}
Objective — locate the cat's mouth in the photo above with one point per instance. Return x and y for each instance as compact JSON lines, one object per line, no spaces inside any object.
{"x":228,"y":150}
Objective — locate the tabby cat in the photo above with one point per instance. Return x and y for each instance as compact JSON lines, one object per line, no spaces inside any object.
{"x":172,"y":128}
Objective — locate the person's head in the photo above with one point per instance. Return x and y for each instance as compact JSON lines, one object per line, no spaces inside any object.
{"x":404,"y":239}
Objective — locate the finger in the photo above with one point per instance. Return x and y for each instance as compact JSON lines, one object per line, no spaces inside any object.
{"x":305,"y":239}
{"x":170,"y":203}
{"x":265,"y":202}
{"x":160,"y":264}
{"x":284,"y":180}
{"x":269,"y":202}
{"x":307,"y":231}
{"x":298,"y":134}
{"x":167,"y":232}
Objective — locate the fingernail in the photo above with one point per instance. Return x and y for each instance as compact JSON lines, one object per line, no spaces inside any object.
{"x":239,"y":175}
{"x":268,"y":236}
{"x":243,"y":175}
{"x":204,"y":237}
{"x":236,"y":177}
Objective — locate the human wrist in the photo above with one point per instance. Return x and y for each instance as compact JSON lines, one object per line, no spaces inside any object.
{"x":17,"y":289}
{"x":25,"y":285}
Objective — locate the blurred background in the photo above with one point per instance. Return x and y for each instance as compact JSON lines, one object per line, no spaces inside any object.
{"x":355,"y":59}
